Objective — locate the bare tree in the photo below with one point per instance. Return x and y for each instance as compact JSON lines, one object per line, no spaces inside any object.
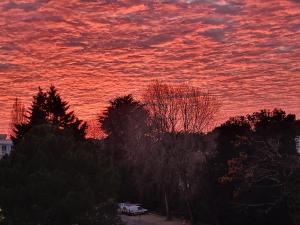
{"x":18,"y":114}
{"x":178,"y":115}
{"x":181,"y":108}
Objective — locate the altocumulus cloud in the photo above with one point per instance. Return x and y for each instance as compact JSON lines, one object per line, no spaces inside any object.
{"x":231,"y":47}
{"x":216,"y":34}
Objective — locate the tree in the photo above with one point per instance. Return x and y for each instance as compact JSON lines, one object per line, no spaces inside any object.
{"x":265,"y":184}
{"x":180,"y":108}
{"x":178,"y":115}
{"x":53,"y":178}
{"x":122,"y":114}
{"x":49,"y":108}
{"x":276,"y":126}
{"x":125,"y":122}
{"x":18,"y":114}
{"x":256,"y":166}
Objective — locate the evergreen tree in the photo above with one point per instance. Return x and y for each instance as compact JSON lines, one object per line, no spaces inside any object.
{"x":123,"y":114}
{"x":58,"y":115}
{"x":38,"y":112}
{"x":37,"y":115}
{"x":124,"y":120}
{"x":52,"y":178}
{"x":49,"y":108}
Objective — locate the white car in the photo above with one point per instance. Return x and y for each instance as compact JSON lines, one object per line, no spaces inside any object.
{"x":132,"y":209}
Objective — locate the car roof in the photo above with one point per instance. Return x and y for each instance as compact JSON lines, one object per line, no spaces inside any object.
{"x":130,"y":204}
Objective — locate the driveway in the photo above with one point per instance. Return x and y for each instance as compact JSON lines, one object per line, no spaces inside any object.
{"x":150,"y":219}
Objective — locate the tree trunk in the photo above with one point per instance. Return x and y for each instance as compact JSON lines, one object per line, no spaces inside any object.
{"x":216,"y":216}
{"x":168,"y":215}
{"x":190,"y":211}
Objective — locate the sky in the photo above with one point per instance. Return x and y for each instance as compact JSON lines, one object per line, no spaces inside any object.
{"x":246,"y":52}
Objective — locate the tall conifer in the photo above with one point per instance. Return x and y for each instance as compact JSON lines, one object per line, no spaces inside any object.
{"x":49,"y":108}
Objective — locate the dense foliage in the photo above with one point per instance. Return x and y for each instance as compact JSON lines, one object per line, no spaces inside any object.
{"x":51,"y":178}
{"x":123,"y":121}
{"x":257,"y":168}
{"x":54,"y":176}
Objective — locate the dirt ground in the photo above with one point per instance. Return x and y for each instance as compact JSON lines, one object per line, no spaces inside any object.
{"x":151,"y":219}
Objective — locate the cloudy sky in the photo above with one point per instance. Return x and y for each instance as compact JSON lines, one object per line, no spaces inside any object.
{"x":247,"y":52}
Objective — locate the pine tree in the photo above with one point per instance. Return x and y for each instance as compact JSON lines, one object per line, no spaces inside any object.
{"x":37,"y":116}
{"x":59,"y":116}
{"x":49,"y":108}
{"x":38,"y":110}
{"x":52,"y":179}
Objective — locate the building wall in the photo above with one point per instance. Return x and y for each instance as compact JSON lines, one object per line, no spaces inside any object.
{"x":5,"y":148}
{"x":298,"y":144}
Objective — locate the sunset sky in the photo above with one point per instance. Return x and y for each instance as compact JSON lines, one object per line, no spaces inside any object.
{"x":247,"y":52}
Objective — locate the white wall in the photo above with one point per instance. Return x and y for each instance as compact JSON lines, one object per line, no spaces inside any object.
{"x":5,"y":148}
{"x":298,"y":144}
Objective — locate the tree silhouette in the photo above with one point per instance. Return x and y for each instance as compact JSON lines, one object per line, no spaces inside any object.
{"x":52,"y":178}
{"x":178,"y":115}
{"x":58,"y":115}
{"x":125,"y":122}
{"x":119,"y":118}
{"x":49,"y":108}
{"x":276,"y":126}
{"x":258,"y":158}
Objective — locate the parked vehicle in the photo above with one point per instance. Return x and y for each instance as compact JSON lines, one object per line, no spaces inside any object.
{"x":132,"y":209}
